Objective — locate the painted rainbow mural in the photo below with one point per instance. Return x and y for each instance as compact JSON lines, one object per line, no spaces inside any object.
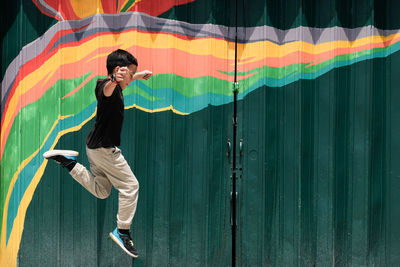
{"x":43,"y":84}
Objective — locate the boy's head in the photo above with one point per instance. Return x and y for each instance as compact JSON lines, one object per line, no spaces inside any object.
{"x":120,"y":58}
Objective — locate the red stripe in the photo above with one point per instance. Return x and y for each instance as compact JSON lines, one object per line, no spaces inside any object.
{"x":109,"y":6}
{"x":32,"y":64}
{"x":156,"y":9}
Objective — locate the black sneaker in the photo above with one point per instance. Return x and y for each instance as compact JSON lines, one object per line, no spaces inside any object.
{"x":66,"y":158}
{"x":125,"y":242}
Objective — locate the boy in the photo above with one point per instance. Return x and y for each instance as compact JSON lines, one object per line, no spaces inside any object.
{"x":108,"y":166}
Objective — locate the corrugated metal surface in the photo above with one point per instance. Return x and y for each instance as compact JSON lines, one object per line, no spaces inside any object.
{"x":320,"y":176}
{"x":318,"y":116}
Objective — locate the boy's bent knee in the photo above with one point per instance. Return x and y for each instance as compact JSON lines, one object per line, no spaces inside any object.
{"x":103,"y":194}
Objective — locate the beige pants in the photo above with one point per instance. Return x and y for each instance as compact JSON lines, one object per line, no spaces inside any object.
{"x":109,"y":168}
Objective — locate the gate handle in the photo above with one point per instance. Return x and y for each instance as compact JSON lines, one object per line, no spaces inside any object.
{"x":241,"y":147}
{"x":228,"y":148}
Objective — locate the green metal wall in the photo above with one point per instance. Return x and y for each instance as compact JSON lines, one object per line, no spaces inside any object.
{"x":320,"y":181}
{"x":319,"y":169}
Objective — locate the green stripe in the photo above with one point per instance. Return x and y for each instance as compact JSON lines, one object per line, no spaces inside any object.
{"x":127,"y":6}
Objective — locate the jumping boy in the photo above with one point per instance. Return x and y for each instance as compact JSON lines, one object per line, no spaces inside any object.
{"x":107,"y":165}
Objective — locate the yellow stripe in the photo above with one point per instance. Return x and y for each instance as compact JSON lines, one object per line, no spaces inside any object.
{"x":157,"y":110}
{"x":8,"y":254}
{"x":254,"y":51}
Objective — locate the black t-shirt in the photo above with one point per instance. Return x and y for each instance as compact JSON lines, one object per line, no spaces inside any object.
{"x":106,"y":131}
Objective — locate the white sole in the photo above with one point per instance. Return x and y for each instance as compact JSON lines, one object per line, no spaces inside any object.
{"x":122,"y":246}
{"x":52,"y":153}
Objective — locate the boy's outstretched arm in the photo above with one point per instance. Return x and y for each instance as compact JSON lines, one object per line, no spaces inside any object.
{"x":145,"y":75}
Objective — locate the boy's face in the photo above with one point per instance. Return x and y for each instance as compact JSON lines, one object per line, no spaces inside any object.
{"x":131,"y":71}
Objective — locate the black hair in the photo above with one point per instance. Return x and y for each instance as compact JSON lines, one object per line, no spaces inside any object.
{"x":120,"y":58}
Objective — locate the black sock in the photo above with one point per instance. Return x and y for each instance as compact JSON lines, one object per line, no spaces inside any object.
{"x":124,"y":231}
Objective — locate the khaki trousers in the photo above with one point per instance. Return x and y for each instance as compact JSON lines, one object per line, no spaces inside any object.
{"x":109,"y":168}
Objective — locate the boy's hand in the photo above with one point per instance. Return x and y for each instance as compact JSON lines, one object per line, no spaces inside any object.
{"x":145,"y":75}
{"x":121,"y":74}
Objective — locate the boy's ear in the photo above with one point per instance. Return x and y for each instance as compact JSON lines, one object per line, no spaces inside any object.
{"x":116,"y":69}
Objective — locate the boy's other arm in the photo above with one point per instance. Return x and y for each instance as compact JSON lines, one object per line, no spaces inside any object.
{"x":108,"y":88}
{"x":119,"y":77}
